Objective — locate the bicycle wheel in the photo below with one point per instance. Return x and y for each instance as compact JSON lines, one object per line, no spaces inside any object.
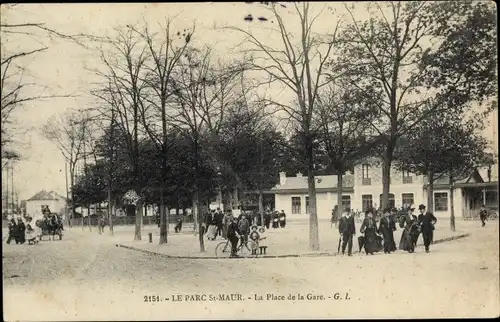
{"x":245,"y":250}
{"x":223,"y":250}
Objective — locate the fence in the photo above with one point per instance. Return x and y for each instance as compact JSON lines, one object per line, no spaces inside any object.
{"x":126,"y":221}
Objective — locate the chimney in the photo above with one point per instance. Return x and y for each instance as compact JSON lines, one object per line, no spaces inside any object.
{"x":282,"y":178}
{"x":299,"y":175}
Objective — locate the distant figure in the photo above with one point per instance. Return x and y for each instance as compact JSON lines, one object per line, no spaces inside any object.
{"x":387,"y":227}
{"x":12,"y":231}
{"x":228,"y":217}
{"x":219,"y":221}
{"x":275,"y":218}
{"x":267,"y":219}
{"x":178,"y":226}
{"x":369,"y":229}
{"x":282,"y":219}
{"x":244,"y":227}
{"x":347,"y":230}
{"x":483,"y":215}
{"x":426,"y":221}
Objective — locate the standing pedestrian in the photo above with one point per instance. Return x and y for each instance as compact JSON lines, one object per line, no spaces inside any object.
{"x":347,"y":230}
{"x":219,"y":221}
{"x":12,"y":231}
{"x":233,"y":235}
{"x":228,"y":217}
{"x":21,"y":230}
{"x":267,"y":219}
{"x":282,"y":218}
{"x":369,"y":229}
{"x":387,"y":227}
{"x":427,"y":221}
{"x":483,"y":215}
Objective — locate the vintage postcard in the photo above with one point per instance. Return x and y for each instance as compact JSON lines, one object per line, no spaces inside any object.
{"x":249,"y":160}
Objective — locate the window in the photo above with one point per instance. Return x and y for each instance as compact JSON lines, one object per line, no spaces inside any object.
{"x":407,"y":200}
{"x":295,"y":205}
{"x":441,"y":201}
{"x":364,"y":171}
{"x":367,"y":201}
{"x":307,"y":205}
{"x":392,"y":202}
{"x":346,"y":202}
{"x":407,"y":177}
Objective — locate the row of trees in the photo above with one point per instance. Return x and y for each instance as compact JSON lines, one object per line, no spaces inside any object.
{"x":175,"y":122}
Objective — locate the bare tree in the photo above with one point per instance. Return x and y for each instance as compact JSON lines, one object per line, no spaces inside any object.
{"x":203,"y":92}
{"x":16,"y":86}
{"x":124,"y":58}
{"x":300,"y":66}
{"x":165,"y":53}
{"x":68,"y":133}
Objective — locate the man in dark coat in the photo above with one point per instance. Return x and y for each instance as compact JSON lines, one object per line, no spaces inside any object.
{"x":21,"y":229}
{"x":347,"y":230}
{"x":483,"y":214}
{"x":233,"y":235}
{"x":219,"y":221}
{"x":12,"y":231}
{"x":387,"y":227}
{"x":267,"y":219}
{"x":427,"y":222}
{"x":282,"y":219}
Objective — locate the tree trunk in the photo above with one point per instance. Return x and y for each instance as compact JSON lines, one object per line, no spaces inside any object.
{"x":110,"y":211}
{"x":339,"y":194}
{"x":386,"y":182}
{"x":163,"y":217}
{"x":313,"y":214}
{"x":90,"y":219}
{"x":230,"y":200}
{"x":235,"y":196}
{"x":138,"y":220}
{"x":194,"y":212}
{"x":452,"y":207}
{"x":261,"y":207}
{"x":199,"y":219}
{"x":430,"y":191}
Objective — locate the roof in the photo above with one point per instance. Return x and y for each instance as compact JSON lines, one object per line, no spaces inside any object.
{"x":475,"y":177}
{"x":44,"y":195}
{"x":323,"y":183}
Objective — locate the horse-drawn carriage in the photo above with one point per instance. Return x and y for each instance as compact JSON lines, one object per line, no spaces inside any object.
{"x":51,"y":224}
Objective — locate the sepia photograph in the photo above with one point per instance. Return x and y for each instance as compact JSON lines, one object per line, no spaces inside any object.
{"x":249,"y":160}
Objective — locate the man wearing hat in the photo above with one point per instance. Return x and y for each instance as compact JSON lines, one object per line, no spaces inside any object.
{"x":347,"y":230}
{"x":427,"y":221}
{"x":387,"y":227}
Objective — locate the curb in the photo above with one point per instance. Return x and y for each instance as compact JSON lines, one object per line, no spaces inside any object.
{"x":323,"y":254}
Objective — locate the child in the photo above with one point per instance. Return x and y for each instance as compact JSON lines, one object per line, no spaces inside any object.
{"x":255,"y":237}
{"x":30,"y":232}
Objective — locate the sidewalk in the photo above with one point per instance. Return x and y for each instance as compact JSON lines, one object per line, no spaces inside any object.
{"x":292,"y":241}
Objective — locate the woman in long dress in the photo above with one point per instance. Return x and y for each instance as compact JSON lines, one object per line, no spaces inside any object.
{"x":410,"y":231}
{"x":369,"y":229}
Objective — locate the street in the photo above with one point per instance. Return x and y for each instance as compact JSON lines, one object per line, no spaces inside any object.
{"x":84,"y":277}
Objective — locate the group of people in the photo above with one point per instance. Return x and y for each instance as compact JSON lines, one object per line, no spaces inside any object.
{"x":374,"y":234}
{"x":22,"y":231}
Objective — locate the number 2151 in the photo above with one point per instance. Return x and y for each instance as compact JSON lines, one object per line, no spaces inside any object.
{"x":151,"y":298}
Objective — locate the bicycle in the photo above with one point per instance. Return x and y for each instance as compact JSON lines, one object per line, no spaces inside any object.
{"x":223,"y":249}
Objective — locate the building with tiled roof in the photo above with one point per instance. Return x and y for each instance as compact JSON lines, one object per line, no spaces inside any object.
{"x":55,"y":201}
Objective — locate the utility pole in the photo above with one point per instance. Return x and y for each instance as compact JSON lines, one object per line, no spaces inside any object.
{"x":7,"y":187}
{"x":12,"y":183}
{"x":68,"y":216}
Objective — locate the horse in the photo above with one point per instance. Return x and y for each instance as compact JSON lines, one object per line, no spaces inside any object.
{"x":51,"y":226}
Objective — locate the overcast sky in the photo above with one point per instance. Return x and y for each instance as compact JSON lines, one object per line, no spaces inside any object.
{"x":64,"y":66}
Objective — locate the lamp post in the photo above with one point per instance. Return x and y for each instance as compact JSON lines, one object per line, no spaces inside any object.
{"x":219,"y":191}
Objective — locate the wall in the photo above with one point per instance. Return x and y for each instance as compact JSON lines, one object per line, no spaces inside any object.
{"x":34,"y":207}
{"x":397,"y":187}
{"x":325,"y":203}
